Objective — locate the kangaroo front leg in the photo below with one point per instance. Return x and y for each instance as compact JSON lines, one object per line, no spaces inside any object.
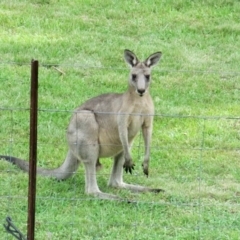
{"x":147,"y":135}
{"x":128,"y":164}
{"x":123,"y":134}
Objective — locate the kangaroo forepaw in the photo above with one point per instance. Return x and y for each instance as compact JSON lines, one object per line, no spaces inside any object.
{"x":145,"y":169}
{"x":129,"y":167}
{"x":145,"y":172}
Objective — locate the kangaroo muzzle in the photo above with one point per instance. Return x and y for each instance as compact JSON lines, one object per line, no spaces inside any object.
{"x":141,"y":92}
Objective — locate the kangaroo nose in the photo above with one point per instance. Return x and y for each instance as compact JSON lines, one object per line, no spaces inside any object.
{"x":141,"y":91}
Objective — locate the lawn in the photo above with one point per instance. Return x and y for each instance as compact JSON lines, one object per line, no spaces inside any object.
{"x":195,"y":151}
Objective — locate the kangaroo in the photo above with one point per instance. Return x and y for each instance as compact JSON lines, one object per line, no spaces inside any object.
{"x":105,"y":126}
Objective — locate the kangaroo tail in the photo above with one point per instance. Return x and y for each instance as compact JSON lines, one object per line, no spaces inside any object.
{"x":23,"y":165}
{"x":59,"y":173}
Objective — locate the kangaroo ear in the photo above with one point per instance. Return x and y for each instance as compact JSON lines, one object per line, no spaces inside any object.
{"x":130,"y":58}
{"x":153,"y":59}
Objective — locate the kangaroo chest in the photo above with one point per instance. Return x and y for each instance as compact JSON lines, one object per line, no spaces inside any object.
{"x":135,"y":123}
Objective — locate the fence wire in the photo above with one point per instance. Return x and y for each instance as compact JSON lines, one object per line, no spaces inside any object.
{"x":165,"y":69}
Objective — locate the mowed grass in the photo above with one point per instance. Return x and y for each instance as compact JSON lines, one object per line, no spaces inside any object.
{"x":195,"y":148}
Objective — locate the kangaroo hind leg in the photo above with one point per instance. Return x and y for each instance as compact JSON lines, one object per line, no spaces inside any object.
{"x":116,"y":178}
{"x":83,"y":141}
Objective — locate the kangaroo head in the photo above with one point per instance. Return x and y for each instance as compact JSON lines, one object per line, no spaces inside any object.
{"x":140,"y":75}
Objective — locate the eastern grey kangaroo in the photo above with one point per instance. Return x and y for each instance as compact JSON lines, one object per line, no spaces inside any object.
{"x":105,"y":126}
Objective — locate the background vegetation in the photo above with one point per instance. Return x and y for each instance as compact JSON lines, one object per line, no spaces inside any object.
{"x":195,"y":149}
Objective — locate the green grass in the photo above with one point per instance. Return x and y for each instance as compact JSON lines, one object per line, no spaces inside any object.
{"x":195,"y":147}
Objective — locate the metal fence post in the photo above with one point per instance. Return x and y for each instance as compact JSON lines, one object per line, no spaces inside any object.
{"x":33,"y":150}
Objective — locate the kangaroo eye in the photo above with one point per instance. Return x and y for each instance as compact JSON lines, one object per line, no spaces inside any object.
{"x":134,"y":77}
{"x":147,"y":77}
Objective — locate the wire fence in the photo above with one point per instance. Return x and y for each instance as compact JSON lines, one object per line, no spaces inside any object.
{"x":57,"y":67}
{"x":194,"y":158}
